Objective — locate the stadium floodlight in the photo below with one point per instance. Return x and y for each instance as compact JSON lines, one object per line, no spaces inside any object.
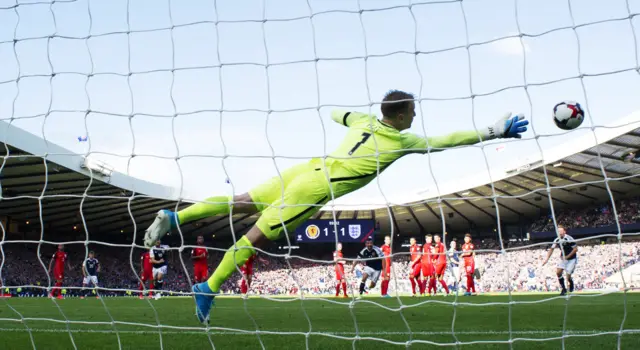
{"x":97,"y":166}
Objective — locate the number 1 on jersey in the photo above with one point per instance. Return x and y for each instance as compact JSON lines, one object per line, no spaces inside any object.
{"x":365,"y":137}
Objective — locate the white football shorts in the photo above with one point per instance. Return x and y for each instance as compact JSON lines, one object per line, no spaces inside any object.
{"x":90,"y":280}
{"x":161,"y":269}
{"x":454,"y":271}
{"x":374,"y":275}
{"x":568,"y":265}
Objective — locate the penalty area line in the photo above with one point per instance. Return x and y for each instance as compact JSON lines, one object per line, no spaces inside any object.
{"x":252,"y":333}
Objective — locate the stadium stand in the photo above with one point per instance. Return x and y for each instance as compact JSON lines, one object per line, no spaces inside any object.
{"x":111,"y":202}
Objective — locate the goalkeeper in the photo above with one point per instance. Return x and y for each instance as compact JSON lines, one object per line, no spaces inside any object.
{"x":288,"y":201}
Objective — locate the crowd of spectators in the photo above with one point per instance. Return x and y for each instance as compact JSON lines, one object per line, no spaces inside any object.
{"x":519,"y":269}
{"x":628,"y":212}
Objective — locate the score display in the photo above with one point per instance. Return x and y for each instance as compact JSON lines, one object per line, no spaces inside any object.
{"x":348,"y":230}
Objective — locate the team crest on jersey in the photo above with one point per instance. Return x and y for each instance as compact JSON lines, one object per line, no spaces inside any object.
{"x":312,"y":231}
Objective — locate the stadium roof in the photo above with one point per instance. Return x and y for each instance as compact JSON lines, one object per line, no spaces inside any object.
{"x":108,"y":203}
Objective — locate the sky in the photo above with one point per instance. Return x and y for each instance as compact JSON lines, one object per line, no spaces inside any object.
{"x":238,"y":89}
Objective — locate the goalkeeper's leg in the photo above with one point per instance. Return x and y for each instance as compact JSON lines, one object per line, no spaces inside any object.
{"x":253,"y":202}
{"x":302,"y":198}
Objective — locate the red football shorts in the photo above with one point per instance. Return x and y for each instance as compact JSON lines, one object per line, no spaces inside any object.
{"x":339,"y":273}
{"x":387,"y":271}
{"x":200,"y":274}
{"x":440,"y":269}
{"x":469,"y":267}
{"x":247,"y":269}
{"x":427,"y":270}
{"x":58,"y":274}
{"x":146,"y":276}
{"x":415,"y":270}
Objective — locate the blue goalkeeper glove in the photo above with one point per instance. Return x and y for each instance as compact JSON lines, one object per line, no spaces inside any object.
{"x":506,"y":127}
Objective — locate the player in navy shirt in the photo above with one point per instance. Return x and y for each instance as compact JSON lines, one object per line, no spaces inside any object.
{"x":158,"y":257}
{"x":373,"y":267}
{"x":90,"y":270}
{"x":568,"y":258}
{"x":454,"y":262}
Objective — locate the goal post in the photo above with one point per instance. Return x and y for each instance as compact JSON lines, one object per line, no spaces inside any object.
{"x":112,"y":111}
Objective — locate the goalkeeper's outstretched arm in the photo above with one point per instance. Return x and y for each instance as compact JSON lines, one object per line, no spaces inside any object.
{"x":506,"y":127}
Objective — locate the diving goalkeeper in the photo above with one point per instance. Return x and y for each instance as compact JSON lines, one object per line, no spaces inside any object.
{"x":288,"y":201}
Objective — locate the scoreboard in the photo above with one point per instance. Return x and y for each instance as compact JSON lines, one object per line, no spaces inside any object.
{"x":348,"y":231}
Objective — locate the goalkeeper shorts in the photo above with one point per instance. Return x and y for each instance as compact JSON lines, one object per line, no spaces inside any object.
{"x":291,"y":199}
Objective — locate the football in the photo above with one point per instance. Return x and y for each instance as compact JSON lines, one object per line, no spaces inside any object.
{"x":568,"y":115}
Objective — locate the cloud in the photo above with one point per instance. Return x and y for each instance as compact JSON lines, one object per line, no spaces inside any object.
{"x":510,"y":46}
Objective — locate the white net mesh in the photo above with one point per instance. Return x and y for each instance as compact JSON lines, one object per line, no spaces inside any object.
{"x":214,"y":96}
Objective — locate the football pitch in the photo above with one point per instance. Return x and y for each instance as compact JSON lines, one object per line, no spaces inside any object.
{"x":537,"y":322}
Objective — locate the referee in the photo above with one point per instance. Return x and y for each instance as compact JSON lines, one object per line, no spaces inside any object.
{"x":374,"y":262}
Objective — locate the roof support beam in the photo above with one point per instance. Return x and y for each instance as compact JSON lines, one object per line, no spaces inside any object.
{"x":622,"y":144}
{"x":94,"y":207}
{"x":432,"y":211}
{"x":394,"y":221}
{"x":121,"y":210}
{"x":514,"y":197}
{"x":457,"y":212}
{"x":22,"y":164}
{"x":13,"y":187}
{"x":564,"y":162}
{"x":529,"y":190}
{"x":477,"y":207}
{"x":572,"y":168}
{"x":565,"y":177}
{"x":415,"y":218}
{"x":38,"y":174}
{"x":74,"y":205}
{"x":595,"y":154}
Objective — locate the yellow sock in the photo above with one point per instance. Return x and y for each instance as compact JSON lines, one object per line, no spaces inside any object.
{"x":228,"y":264}
{"x":219,"y":205}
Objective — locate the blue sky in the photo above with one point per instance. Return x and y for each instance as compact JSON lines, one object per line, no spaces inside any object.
{"x":175,"y":82}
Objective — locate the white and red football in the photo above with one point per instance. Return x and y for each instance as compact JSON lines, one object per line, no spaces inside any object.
{"x":568,"y":115}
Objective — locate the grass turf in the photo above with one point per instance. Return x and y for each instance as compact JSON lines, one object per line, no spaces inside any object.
{"x":536,"y":323}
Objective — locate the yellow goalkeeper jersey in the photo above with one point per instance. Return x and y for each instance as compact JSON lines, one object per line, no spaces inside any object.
{"x":371,"y":144}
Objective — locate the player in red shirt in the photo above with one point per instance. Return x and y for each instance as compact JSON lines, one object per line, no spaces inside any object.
{"x":146,"y":272}
{"x":386,"y":274}
{"x":247,"y":273}
{"x":468,"y":255}
{"x":338,"y":259}
{"x":441,"y":262}
{"x":414,"y":265}
{"x":427,"y":264}
{"x":433,"y":255}
{"x":59,"y":257}
{"x":199,"y":256}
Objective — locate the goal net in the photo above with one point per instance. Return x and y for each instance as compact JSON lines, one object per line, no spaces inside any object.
{"x":111,"y":111}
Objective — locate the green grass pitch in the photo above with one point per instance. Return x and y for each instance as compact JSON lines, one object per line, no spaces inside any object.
{"x":331,"y":323}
